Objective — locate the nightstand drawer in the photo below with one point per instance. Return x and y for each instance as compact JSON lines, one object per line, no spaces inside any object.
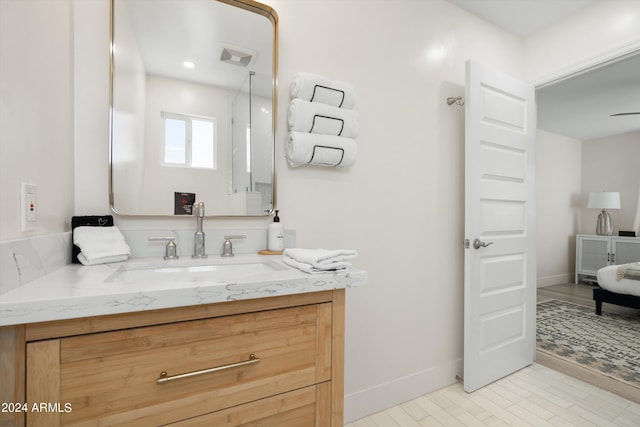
{"x":161,"y":374}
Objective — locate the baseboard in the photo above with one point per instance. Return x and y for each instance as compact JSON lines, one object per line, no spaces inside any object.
{"x":557,"y":279}
{"x":383,"y":396}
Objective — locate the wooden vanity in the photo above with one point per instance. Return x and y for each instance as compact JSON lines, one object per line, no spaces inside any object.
{"x":275,"y":361}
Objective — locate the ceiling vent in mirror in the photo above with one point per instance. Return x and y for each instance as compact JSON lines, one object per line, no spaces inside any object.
{"x":237,"y":55}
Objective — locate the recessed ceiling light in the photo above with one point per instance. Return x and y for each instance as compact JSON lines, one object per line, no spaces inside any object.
{"x":188,"y":64}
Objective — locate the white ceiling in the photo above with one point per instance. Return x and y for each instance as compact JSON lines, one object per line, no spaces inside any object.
{"x":522,"y":17}
{"x":170,"y":32}
{"x":581,"y":107}
{"x":578,"y":107}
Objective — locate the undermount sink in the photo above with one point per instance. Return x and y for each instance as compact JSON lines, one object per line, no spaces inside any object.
{"x":207,"y":270}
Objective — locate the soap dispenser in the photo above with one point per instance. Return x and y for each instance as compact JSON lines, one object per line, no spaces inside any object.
{"x":275,"y":240}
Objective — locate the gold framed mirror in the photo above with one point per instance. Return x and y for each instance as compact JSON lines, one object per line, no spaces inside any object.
{"x":193,"y":107}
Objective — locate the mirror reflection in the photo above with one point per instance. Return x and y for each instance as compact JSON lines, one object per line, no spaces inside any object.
{"x":192,"y":108}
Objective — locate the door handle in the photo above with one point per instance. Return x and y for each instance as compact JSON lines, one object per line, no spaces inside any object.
{"x":477,"y":244}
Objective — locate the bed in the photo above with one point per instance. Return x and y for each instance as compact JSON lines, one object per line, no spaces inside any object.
{"x":624,"y":292}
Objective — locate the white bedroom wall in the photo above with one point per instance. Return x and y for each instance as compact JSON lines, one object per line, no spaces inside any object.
{"x":594,"y":33}
{"x":611,"y":164}
{"x":558,"y":206}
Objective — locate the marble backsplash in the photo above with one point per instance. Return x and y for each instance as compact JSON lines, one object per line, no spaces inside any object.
{"x":256,"y":240}
{"x":24,"y":260}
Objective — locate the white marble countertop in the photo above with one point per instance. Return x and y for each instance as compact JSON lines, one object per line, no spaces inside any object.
{"x":77,"y":291}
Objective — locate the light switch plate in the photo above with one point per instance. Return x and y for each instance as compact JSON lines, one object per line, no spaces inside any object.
{"x":28,"y":206}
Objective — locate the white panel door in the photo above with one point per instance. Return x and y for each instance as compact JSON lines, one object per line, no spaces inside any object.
{"x":499,"y":296}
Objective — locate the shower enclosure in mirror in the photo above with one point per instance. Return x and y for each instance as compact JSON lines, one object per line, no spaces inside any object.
{"x":193,"y":102}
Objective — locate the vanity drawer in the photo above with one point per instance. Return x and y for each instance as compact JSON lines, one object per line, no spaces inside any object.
{"x":113,"y":376}
{"x":298,"y":408}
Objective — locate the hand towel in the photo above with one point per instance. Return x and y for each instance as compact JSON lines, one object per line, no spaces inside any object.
{"x":104,"y":260}
{"x":314,"y":88}
{"x":308,"y":268}
{"x":322,"y":259}
{"x":88,"y":220}
{"x":323,"y":150}
{"x":100,"y":245}
{"x":314,"y":117}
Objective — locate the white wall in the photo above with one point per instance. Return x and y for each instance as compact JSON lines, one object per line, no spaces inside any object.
{"x":611,"y":164}
{"x":593,"y":32}
{"x":36,"y":113}
{"x":558,"y":206}
{"x":598,"y":32}
{"x":401,"y":204}
{"x":166,"y":95}
{"x":91,"y":100}
{"x":129,"y":110}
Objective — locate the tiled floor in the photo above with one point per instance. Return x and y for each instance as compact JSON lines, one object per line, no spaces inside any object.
{"x":535,"y":396}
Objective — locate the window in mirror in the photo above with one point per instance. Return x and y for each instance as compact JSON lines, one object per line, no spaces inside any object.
{"x":189,"y":141}
{"x":175,"y":141}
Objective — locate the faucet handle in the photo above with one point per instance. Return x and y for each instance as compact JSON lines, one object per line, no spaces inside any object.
{"x":171,"y":250}
{"x":227,"y":247}
{"x":235,"y":236}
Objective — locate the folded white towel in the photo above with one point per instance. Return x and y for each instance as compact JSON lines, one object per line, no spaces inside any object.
{"x":323,"y":150}
{"x":100,"y":245}
{"x":322,"y":259}
{"x":103,"y":260}
{"x":314,"y":117}
{"x":308,"y":268}
{"x":314,"y":88}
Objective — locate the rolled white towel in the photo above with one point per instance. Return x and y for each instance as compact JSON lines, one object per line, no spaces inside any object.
{"x":326,"y":259}
{"x":314,"y":88}
{"x":100,"y":245}
{"x":323,"y":150}
{"x":314,"y":117}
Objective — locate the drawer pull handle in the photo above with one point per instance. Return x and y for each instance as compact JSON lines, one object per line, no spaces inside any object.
{"x":165,"y":378}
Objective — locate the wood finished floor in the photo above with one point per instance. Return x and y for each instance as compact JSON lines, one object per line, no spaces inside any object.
{"x":582,"y":295}
{"x":533,"y":396}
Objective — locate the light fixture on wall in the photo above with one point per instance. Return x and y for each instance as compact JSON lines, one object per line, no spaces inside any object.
{"x":604,"y":200}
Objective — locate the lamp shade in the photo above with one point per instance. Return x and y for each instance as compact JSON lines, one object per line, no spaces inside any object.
{"x":604,"y":200}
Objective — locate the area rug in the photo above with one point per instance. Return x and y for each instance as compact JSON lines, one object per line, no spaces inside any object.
{"x":607,"y":344}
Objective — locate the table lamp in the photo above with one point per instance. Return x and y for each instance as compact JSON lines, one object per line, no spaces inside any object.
{"x":604,"y":200}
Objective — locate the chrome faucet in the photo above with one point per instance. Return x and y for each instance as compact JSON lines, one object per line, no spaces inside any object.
{"x":227,"y":247}
{"x":198,"y":238}
{"x":171,"y":250}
